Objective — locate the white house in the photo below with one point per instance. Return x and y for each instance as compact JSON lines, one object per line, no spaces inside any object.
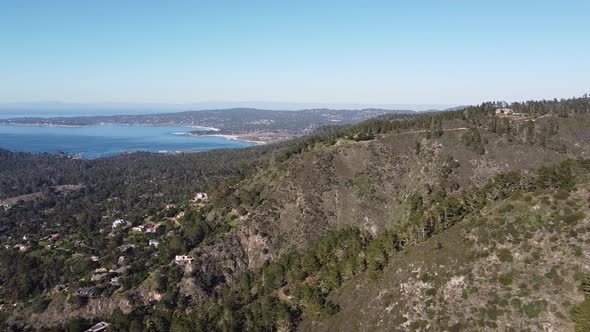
{"x":115,"y":281}
{"x":201,"y":197}
{"x":154,"y":243}
{"x":118,"y":222}
{"x":181,"y":259}
{"x":102,"y":326}
{"x":138,"y":229}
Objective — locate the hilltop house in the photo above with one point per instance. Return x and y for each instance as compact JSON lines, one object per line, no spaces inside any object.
{"x":504,"y":111}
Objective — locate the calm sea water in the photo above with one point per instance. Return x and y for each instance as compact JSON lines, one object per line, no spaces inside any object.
{"x":103,"y":141}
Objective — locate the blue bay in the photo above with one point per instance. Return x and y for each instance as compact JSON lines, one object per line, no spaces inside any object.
{"x":103,"y":141}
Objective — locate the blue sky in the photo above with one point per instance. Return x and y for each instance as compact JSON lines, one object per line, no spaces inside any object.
{"x":368,"y":52}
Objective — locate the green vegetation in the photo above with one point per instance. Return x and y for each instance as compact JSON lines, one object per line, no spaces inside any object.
{"x":310,"y":276}
{"x":247,"y":272}
{"x":473,"y":141}
{"x":581,"y":313}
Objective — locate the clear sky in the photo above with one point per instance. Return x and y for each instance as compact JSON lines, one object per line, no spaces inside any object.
{"x":373,"y":52}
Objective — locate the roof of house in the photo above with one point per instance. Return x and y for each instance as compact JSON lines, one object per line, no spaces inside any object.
{"x":98,"y":327}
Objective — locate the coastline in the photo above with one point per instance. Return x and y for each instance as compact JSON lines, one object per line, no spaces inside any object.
{"x":203,"y":128}
{"x":257,"y":138}
{"x":236,"y":137}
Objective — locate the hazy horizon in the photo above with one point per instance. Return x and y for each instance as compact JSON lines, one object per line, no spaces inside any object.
{"x":42,"y":106}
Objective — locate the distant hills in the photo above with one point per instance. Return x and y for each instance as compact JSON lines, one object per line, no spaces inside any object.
{"x":136,"y":108}
{"x":226,"y":121}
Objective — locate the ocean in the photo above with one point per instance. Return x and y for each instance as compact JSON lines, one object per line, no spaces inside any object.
{"x":105,"y":140}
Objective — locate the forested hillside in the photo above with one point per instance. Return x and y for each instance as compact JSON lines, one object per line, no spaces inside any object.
{"x":459,"y":220}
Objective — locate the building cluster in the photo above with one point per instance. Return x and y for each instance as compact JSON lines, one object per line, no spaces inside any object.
{"x":109,"y":274}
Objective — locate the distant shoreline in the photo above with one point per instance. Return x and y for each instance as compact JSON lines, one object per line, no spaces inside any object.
{"x":234,"y":137}
{"x":206,"y":130}
{"x":97,"y":141}
{"x":203,"y":128}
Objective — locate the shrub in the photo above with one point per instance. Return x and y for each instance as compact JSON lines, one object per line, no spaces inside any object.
{"x":78,"y":301}
{"x":533,"y":309}
{"x":506,"y":208}
{"x":505,"y":256}
{"x":473,"y":141}
{"x":505,"y":279}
